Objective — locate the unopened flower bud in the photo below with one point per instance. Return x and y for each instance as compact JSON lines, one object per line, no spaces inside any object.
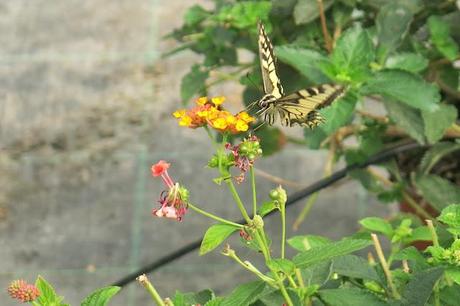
{"x":258,"y":222}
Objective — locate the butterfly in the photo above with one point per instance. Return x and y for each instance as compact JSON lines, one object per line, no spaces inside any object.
{"x":299,"y":107}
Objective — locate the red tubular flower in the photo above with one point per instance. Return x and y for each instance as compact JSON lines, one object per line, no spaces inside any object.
{"x":173,"y":202}
{"x":161,"y":169}
{"x":22,"y":291}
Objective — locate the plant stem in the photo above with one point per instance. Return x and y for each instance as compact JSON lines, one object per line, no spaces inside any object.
{"x":263,"y":245}
{"x":283,"y":229}
{"x":434,"y":236}
{"x":254,"y":191}
{"x":385,"y":267}
{"x":144,"y":281}
{"x":298,"y":274}
{"x":209,"y":215}
{"x":286,"y":296}
{"x":327,"y":36}
{"x":250,"y":267}
{"x":418,"y":209}
{"x":306,"y":209}
{"x":291,"y":281}
{"x":238,"y":201}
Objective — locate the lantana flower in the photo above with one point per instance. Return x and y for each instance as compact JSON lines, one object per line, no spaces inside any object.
{"x":245,"y":154}
{"x":173,"y":200}
{"x":209,"y":112}
{"x":22,"y":291}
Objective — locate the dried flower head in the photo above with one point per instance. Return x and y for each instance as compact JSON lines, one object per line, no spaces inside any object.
{"x":22,"y":291}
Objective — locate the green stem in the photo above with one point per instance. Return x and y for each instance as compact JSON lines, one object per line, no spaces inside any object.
{"x":209,"y":215}
{"x":283,"y":229}
{"x":291,"y":281}
{"x":434,"y":235}
{"x":298,"y":274}
{"x":304,"y":213}
{"x":238,"y":201}
{"x":263,"y":245}
{"x":254,"y":192}
{"x":286,"y":296}
{"x":144,"y":281}
{"x":385,"y":267}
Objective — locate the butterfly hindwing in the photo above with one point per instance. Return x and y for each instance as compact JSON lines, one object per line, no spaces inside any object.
{"x":271,"y":81}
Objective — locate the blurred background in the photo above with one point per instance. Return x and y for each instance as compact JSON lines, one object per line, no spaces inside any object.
{"x":85,"y":109}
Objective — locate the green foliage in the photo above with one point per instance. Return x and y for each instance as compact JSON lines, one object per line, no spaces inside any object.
{"x":440,"y":36}
{"x":438,"y":191}
{"x":100,"y":297}
{"x":350,"y":297}
{"x":48,"y":296}
{"x":214,"y":236}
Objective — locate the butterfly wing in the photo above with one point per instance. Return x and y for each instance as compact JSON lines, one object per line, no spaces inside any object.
{"x":301,"y":106}
{"x":272,"y":84}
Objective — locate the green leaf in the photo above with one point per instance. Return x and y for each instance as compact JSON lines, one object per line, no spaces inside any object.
{"x":437,"y":191}
{"x":355,"y":267}
{"x":451,"y":215}
{"x":193,"y":83}
{"x":454,"y":274}
{"x":214,"y":302}
{"x":243,"y":15}
{"x":350,"y":297}
{"x":405,"y":87}
{"x":435,"y":154}
{"x":304,"y":60}
{"x":412,"y":62}
{"x":244,"y":294}
{"x":47,"y":293}
{"x":352,"y":55}
{"x":414,"y":255}
{"x":281,"y":265}
{"x":276,"y":298}
{"x":307,"y":242}
{"x":329,"y":251}
{"x":407,"y":118}
{"x":421,"y":233}
{"x":437,"y":122}
{"x":419,"y":289}
{"x":440,"y":36}
{"x":192,"y":298}
{"x":379,"y":225}
{"x":194,"y":15}
{"x":392,"y":23}
{"x":338,"y":113}
{"x":266,"y":208}
{"x":318,"y":274}
{"x":100,"y":297}
{"x":450,"y":295}
{"x":214,"y":236}
{"x":306,"y":11}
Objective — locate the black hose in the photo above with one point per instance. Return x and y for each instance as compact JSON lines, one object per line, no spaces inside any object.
{"x":296,"y":196}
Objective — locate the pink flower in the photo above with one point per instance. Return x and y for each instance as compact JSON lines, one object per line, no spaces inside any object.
{"x":161,"y":169}
{"x":173,"y":201}
{"x":23,"y":291}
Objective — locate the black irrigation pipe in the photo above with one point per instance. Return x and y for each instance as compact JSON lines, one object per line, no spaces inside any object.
{"x":321,"y":184}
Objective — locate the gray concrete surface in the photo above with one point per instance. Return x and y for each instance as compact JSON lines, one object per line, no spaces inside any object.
{"x":85,"y":106}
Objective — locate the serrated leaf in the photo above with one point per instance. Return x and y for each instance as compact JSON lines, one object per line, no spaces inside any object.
{"x":379,"y":225}
{"x":244,"y":294}
{"x":392,"y":23}
{"x":407,"y":118}
{"x":47,"y":293}
{"x":435,"y":154}
{"x":304,"y":60}
{"x":243,"y":15}
{"x":276,"y":298}
{"x":450,"y":295}
{"x":419,"y":289}
{"x":193,"y":83}
{"x":194,"y":15}
{"x":100,"y":297}
{"x":355,"y":267}
{"x":214,"y":236}
{"x":352,"y":54}
{"x":350,"y":297}
{"x":306,"y":11}
{"x":192,"y":298}
{"x":405,"y":87}
{"x":329,"y":251}
{"x":412,"y":62}
{"x":281,"y":265}
{"x":454,"y":274}
{"x":307,"y":242}
{"x":214,"y":302}
{"x":421,"y":233}
{"x":338,"y":113}
{"x":437,"y":122}
{"x":440,"y":36}
{"x":411,"y":253}
{"x":318,"y":274}
{"x":451,"y":215}
{"x":437,"y":191}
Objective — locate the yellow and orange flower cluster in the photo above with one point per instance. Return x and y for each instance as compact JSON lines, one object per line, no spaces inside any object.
{"x":210,"y":112}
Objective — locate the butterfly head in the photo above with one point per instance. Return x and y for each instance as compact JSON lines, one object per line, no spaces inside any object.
{"x":266,"y":101}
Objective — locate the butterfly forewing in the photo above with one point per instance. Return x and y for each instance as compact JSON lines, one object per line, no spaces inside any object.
{"x":272,"y":84}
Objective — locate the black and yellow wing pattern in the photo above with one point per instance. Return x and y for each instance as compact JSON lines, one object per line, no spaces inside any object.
{"x":299,"y":107}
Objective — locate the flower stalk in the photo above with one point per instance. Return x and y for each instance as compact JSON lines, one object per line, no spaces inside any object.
{"x":144,"y":281}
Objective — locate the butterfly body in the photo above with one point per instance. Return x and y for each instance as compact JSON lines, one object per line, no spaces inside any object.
{"x":299,"y":107}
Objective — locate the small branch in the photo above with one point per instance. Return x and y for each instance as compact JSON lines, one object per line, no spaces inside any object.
{"x":209,"y":215}
{"x":385,"y":267}
{"x":418,"y":209}
{"x":327,"y":36}
{"x":278,"y":180}
{"x":405,"y":265}
{"x":382,"y":119}
{"x":434,"y":236}
{"x":144,"y":281}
